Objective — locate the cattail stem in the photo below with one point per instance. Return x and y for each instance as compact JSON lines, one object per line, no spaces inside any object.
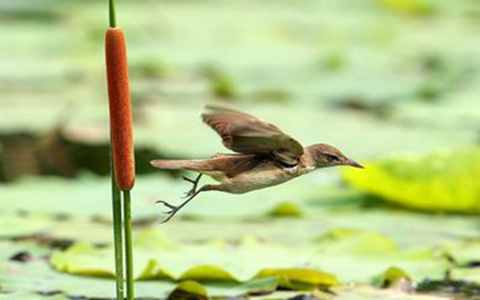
{"x":128,"y":243}
{"x":123,"y":164}
{"x":117,"y":236}
{"x":116,"y":205}
{"x":111,"y":11}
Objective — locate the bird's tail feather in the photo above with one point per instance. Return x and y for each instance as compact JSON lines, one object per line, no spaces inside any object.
{"x":196,"y":165}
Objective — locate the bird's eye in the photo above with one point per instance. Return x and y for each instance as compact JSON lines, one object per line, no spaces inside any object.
{"x":332,"y":158}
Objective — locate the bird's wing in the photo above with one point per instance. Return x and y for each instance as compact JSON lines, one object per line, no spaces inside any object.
{"x":232,"y":165}
{"x":244,"y":133}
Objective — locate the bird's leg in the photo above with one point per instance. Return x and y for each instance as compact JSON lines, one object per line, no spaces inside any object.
{"x":194,"y":187}
{"x":174,"y":209}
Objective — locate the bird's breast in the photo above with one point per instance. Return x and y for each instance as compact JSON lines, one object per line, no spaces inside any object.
{"x":265,"y":175}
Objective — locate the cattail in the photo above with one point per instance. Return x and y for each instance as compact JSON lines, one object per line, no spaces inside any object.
{"x":120,"y":108}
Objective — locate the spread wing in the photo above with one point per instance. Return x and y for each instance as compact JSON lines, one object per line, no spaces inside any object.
{"x":244,"y":133}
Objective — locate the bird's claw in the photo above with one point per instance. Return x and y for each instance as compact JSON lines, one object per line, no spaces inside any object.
{"x":189,"y":195}
{"x":189,"y":179}
{"x":166,"y":204}
{"x":171,"y":212}
{"x":172,"y":208}
{"x":192,"y":190}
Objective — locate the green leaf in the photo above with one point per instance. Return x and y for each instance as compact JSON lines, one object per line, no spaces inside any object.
{"x":441,"y":181}
{"x":299,"y":278}
{"x":30,"y":279}
{"x":356,"y":242}
{"x":390,"y":277}
{"x":207,"y":273}
{"x":189,"y":290}
{"x":14,"y":225}
{"x":259,"y":285}
{"x":88,"y":261}
{"x":410,"y":7}
{"x":286,"y":210}
{"x":211,"y":262}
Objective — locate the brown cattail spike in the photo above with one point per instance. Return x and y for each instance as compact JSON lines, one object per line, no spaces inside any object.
{"x":120,"y":108}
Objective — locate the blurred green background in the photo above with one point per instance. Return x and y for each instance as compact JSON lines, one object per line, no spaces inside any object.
{"x":393,"y":83}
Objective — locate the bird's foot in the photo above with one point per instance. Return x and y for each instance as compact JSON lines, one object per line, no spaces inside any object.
{"x":172,"y":210}
{"x":193,"y":190}
{"x":189,"y":195}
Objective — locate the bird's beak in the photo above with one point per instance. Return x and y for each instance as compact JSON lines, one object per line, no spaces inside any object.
{"x":354,"y":164}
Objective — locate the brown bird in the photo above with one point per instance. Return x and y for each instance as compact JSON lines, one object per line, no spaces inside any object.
{"x":265,"y":157}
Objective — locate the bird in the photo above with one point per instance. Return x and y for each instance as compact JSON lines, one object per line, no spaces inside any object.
{"x":264,"y":156}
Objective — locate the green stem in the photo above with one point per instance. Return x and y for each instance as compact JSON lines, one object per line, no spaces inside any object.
{"x":112,"y":16}
{"x":117,"y":236}
{"x":127,"y":218}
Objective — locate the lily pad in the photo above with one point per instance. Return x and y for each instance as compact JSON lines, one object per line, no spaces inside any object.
{"x":212,"y":262}
{"x":411,"y":7}
{"x":299,"y":278}
{"x":391,"y":277}
{"x":357,"y":241}
{"x":442,"y":181}
{"x":286,"y":210}
{"x":187,"y":289}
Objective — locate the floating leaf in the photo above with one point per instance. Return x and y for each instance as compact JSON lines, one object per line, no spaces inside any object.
{"x":189,"y":290}
{"x":286,"y":210}
{"x":257,"y":286}
{"x":334,"y":61}
{"x":17,"y":226}
{"x":410,"y":7}
{"x":215,"y":261}
{"x":153,"y":271}
{"x":356,"y":241}
{"x":87,"y":261}
{"x":442,"y":181}
{"x":299,"y":278}
{"x":391,"y":277}
{"x":36,"y":279}
{"x":208,"y":273}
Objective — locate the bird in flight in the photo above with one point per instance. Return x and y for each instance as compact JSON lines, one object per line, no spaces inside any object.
{"x":265,"y":156}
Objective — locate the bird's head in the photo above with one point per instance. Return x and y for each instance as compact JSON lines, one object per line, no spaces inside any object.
{"x":328,"y":156}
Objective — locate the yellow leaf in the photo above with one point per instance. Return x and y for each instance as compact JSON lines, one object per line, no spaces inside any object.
{"x":391,"y":277}
{"x":299,"y":278}
{"x":410,"y":7}
{"x":207,"y":273}
{"x":442,"y":181}
{"x":190,"y":290}
{"x":153,"y":271}
{"x":286,"y":210}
